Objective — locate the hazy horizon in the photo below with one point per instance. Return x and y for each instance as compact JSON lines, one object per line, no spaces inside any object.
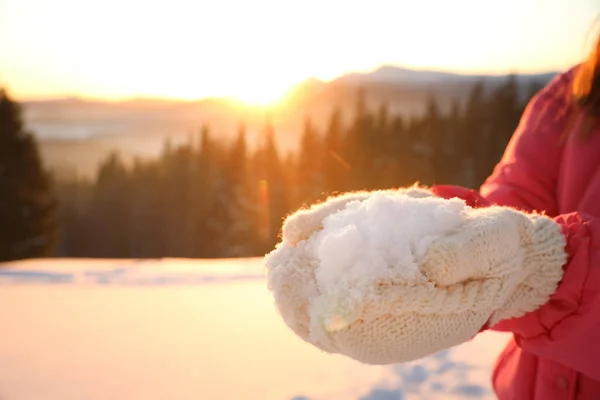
{"x":150,"y":98}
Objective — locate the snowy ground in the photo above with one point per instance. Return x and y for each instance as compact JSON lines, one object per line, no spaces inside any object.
{"x":176,"y":329}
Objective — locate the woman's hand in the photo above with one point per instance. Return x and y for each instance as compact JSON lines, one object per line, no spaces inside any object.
{"x":522,"y":253}
{"x":500,"y":263}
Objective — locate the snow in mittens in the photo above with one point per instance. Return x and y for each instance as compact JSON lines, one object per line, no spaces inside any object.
{"x":381,"y":239}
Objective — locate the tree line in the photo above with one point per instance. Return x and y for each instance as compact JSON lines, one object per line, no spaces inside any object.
{"x":209,"y":198}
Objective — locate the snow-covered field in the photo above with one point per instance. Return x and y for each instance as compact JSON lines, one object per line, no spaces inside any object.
{"x":181,"y":329}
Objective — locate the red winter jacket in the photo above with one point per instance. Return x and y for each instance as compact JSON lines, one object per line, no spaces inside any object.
{"x":555,"y":350}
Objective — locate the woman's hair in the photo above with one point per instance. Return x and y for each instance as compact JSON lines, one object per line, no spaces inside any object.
{"x":586,"y":90}
{"x":586,"y":85}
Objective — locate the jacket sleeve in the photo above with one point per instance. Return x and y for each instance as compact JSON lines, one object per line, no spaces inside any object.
{"x":564,"y":329}
{"x":526,"y":176}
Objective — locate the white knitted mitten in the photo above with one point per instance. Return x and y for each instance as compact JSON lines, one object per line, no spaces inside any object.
{"x":522,"y":255}
{"x":498,"y":264}
{"x":303,"y":223}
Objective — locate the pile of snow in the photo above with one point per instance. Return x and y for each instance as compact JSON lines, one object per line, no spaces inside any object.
{"x":130,"y":272}
{"x":383,"y":238}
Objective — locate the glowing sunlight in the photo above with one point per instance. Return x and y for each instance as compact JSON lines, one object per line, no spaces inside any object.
{"x":254,"y":51}
{"x":261,"y":92}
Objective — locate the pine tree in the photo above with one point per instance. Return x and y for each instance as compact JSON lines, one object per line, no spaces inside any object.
{"x":273,"y":193}
{"x":380,"y":156}
{"x":111,"y":210}
{"x":427,"y":146}
{"x":477,"y":135}
{"x":506,"y":111}
{"x":242,"y":210}
{"x":209,"y":208}
{"x":336,"y":168}
{"x":456,"y":164}
{"x":358,"y":151}
{"x":144,"y":202}
{"x":432,"y":129}
{"x":28,"y":207}
{"x":310,"y":165}
{"x":399,"y":147}
{"x":70,"y":238}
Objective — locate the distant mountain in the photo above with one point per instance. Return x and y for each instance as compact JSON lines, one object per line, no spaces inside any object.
{"x":76,"y":133}
{"x":392,"y":74}
{"x":397,"y":75}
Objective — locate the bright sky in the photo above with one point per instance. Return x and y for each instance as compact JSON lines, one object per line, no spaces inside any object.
{"x":255,"y":49}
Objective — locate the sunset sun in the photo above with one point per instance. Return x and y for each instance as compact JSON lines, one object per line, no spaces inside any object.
{"x":260,"y":92}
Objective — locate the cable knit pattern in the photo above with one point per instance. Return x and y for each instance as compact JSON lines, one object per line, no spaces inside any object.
{"x":543,"y":267}
{"x":501,"y":263}
{"x":525,"y":251}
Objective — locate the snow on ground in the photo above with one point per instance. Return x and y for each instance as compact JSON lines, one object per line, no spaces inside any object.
{"x":183,"y":329}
